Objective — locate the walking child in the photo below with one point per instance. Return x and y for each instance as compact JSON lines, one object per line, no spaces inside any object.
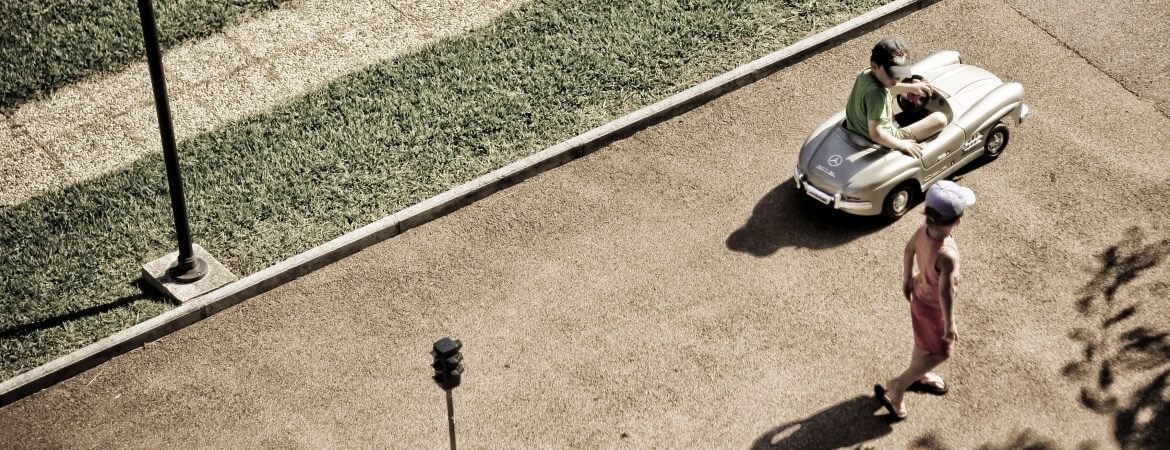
{"x":929,"y":282}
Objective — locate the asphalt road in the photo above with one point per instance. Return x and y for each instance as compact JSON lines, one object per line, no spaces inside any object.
{"x":1126,"y":40}
{"x":671,"y":290}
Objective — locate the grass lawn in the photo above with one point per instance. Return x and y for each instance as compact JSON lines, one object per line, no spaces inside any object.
{"x":49,"y":43}
{"x":270,"y":186}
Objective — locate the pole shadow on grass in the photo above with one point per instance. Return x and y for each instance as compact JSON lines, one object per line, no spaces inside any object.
{"x":785,"y":217}
{"x":845,"y":424}
{"x":1125,"y":346}
{"x":51,"y":322}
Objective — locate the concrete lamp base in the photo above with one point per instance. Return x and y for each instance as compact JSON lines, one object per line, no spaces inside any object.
{"x":155,"y":273}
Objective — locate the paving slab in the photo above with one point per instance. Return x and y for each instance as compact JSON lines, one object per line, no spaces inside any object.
{"x":246,"y":69}
{"x":671,"y":290}
{"x":1095,"y":29}
{"x":26,"y":168}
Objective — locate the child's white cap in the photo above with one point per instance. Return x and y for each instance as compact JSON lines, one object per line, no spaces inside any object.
{"x":949,"y":199}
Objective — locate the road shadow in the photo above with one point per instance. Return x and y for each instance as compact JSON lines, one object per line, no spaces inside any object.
{"x":977,"y":164}
{"x":1026,"y":439}
{"x":1122,"y":347}
{"x":51,"y":322}
{"x":785,"y":217}
{"x":845,"y":424}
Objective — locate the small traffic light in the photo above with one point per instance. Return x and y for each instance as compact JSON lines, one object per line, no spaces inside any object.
{"x":448,"y":363}
{"x":448,"y":372}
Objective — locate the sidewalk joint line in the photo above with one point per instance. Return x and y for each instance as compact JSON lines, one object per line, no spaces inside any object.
{"x":405,"y":14}
{"x":1087,"y":60}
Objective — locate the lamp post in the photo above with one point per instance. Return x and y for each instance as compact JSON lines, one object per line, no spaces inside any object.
{"x":188,"y":268}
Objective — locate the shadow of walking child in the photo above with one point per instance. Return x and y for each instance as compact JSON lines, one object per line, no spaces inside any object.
{"x":845,"y":424}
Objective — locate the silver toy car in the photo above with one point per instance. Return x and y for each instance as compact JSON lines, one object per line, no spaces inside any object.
{"x":851,"y":173}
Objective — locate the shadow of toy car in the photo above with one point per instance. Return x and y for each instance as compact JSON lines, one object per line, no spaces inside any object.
{"x":849,"y":172}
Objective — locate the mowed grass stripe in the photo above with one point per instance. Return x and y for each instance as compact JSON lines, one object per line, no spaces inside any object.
{"x":270,"y":186}
{"x":48,"y":43}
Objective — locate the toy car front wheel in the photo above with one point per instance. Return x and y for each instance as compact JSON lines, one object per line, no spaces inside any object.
{"x":898,"y":201}
{"x":997,"y":140}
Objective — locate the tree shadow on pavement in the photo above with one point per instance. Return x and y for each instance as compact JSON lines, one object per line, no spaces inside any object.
{"x":1124,"y":348}
{"x":787,"y":218}
{"x":1026,"y":439}
{"x":845,"y":424}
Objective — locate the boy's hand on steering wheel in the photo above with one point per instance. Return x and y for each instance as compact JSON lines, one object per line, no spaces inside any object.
{"x":923,"y":89}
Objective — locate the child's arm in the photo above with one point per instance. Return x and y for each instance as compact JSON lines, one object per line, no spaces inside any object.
{"x":908,"y":268}
{"x":948,"y":265}
{"x":921,"y":88}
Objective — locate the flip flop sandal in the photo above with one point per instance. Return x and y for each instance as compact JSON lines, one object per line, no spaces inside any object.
{"x":928,"y":388}
{"x":879,"y":393}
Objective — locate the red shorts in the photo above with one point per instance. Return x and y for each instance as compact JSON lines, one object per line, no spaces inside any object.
{"x":929,"y":327}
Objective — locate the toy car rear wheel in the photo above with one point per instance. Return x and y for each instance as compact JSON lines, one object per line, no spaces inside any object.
{"x":997,"y":140}
{"x":898,"y":201}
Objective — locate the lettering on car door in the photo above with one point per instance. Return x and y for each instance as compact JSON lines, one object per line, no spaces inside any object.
{"x":973,"y":143}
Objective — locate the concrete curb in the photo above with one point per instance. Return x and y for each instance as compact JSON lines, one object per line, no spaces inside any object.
{"x":290,"y":269}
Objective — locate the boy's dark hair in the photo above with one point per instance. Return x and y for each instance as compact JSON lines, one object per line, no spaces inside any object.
{"x":934,"y":217}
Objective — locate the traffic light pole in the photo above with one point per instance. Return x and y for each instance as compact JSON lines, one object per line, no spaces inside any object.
{"x":448,"y":367}
{"x":451,"y":416}
{"x":188,"y":268}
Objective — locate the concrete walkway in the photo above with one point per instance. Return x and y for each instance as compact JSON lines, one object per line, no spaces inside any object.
{"x":94,"y":126}
{"x":1126,"y":40}
{"x":671,"y":290}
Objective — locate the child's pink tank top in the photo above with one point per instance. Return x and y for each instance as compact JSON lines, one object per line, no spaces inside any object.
{"x":926,"y":252}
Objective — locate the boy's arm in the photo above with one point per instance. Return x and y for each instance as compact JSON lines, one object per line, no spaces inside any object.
{"x":874,"y":104}
{"x":879,"y":135}
{"x":921,"y":88}
{"x":908,"y":268}
{"x":948,"y":286}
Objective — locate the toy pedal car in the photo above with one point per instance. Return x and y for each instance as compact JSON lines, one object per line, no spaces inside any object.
{"x":849,"y":172}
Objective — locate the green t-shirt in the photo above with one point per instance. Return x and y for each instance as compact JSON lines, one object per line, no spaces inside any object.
{"x":868,"y":101}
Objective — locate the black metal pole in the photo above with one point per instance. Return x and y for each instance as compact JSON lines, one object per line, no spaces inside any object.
{"x":188,"y":268}
{"x":451,"y":417}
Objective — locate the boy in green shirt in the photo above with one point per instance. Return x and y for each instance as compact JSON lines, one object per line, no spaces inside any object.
{"x":868,"y":111}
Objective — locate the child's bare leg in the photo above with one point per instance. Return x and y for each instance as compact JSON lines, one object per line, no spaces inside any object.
{"x":927,"y":127}
{"x":921,"y":363}
{"x":932,"y":378}
{"x":929,"y":377}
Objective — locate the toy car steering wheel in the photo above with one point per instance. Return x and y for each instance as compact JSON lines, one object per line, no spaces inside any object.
{"x":913,"y":102}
